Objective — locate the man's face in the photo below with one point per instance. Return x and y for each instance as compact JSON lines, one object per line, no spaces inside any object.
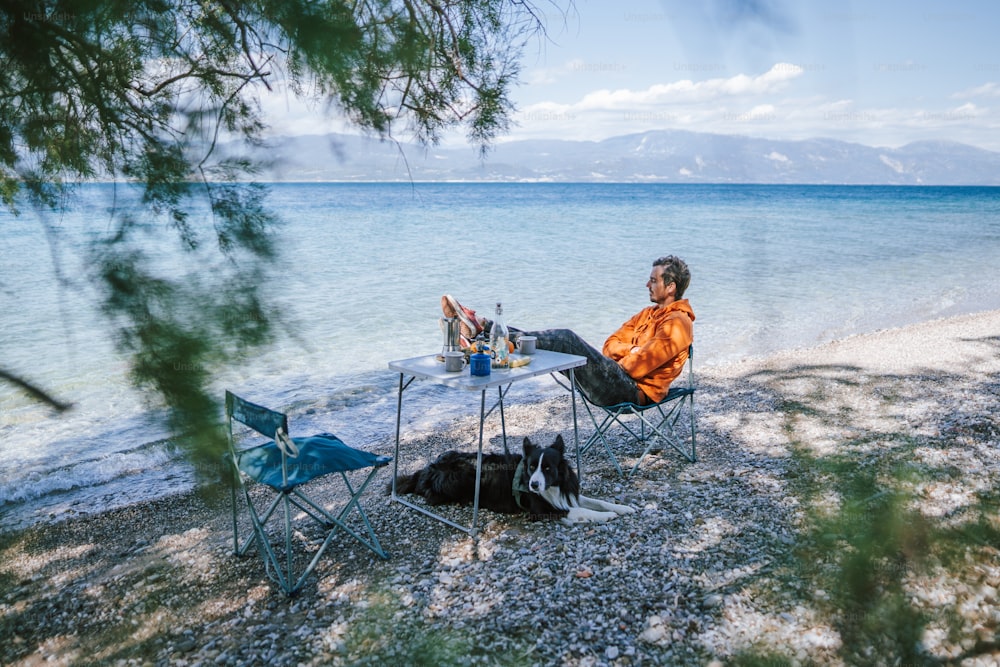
{"x":659,"y":293}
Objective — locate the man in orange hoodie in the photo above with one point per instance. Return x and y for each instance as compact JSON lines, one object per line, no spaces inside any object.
{"x":640,"y":360}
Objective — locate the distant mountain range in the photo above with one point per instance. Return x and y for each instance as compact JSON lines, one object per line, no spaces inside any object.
{"x":664,"y":156}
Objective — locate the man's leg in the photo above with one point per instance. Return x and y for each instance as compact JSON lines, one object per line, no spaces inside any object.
{"x":602,"y":379}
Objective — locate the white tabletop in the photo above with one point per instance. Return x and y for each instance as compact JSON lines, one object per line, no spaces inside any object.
{"x":542,"y":362}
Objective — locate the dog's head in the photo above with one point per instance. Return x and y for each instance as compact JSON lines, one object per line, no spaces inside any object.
{"x":544,"y":465}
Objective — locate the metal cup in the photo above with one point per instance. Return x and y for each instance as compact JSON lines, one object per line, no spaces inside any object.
{"x":454,"y":361}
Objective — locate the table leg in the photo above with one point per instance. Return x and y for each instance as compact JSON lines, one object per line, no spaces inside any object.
{"x":479,"y":463}
{"x":503,"y":422}
{"x":395,"y":468}
{"x":576,"y":430}
{"x":395,"y":458}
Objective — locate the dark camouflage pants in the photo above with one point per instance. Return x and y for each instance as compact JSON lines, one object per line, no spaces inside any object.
{"x":602,"y":379}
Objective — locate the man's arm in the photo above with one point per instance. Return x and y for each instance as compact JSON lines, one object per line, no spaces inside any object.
{"x":672,"y":337}
{"x":620,"y":343}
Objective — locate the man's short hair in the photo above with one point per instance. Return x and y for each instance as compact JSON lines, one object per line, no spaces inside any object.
{"x":675,"y":271}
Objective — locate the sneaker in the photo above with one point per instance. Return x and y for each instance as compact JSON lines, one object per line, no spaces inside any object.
{"x":469,"y":326}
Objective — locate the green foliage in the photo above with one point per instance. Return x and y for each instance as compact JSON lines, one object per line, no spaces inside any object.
{"x":862,"y":550}
{"x":141,"y":92}
{"x":394,"y":635}
{"x":763,"y":659}
{"x":891,"y":554}
{"x":877,"y":540}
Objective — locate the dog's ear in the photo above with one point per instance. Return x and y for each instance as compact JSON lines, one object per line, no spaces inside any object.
{"x":559,"y":445}
{"x":528,"y":448}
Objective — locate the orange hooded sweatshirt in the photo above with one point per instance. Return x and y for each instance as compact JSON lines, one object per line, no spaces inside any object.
{"x":664,"y":335}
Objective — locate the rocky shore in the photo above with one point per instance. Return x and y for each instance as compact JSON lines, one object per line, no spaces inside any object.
{"x":843,"y":510}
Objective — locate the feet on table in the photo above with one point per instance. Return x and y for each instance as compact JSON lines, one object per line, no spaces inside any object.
{"x":469,"y":325}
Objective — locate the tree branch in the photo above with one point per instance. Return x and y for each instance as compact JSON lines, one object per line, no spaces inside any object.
{"x":34,"y":392}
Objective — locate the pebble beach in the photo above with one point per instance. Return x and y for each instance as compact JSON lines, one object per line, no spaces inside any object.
{"x":750,"y":555}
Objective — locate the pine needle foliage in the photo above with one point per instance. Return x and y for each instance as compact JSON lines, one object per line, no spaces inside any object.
{"x":142,"y":93}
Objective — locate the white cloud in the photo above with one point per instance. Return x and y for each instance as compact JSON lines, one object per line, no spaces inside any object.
{"x":777,"y":157}
{"x":732,"y":104}
{"x":687,"y":91}
{"x":986,"y":90}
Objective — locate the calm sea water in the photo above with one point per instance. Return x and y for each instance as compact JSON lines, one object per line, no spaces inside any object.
{"x":364,"y":265}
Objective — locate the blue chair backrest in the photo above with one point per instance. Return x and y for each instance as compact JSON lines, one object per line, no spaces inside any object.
{"x":257,"y":417}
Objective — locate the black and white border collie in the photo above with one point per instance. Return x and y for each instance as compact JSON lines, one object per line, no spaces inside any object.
{"x":539,"y":482}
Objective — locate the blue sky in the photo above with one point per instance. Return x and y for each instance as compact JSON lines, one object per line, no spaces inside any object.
{"x":879,"y":73}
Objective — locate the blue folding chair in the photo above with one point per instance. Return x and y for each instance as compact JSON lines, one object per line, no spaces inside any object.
{"x":285,"y":465}
{"x":669,"y":423}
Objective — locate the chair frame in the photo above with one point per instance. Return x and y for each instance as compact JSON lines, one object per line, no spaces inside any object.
{"x":661,"y":427}
{"x":274,"y":425}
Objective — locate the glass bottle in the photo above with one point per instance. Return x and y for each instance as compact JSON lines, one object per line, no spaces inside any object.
{"x":499,"y":335}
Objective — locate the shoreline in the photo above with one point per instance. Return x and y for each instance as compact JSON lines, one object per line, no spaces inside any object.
{"x":700,"y":573}
{"x":983,"y":323}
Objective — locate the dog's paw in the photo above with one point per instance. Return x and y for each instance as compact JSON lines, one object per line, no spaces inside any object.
{"x":581,"y":515}
{"x":625,"y":509}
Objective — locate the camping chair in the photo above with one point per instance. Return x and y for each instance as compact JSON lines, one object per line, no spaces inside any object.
{"x":666,"y":423}
{"x":285,"y":465}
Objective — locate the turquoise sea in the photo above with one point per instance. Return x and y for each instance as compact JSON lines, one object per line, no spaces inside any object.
{"x":364,"y":265}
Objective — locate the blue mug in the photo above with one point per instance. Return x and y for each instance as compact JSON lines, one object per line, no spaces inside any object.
{"x":479,"y":364}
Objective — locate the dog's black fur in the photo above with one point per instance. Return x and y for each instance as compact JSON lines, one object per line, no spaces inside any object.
{"x":551,"y":488}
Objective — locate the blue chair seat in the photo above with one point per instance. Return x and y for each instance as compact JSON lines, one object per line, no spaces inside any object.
{"x":319,"y":455}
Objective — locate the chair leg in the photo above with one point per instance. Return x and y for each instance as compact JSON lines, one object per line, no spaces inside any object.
{"x":284,"y":573}
{"x":280,"y":574}
{"x":666,"y":430}
{"x":686,"y":406}
{"x":256,"y":518}
{"x":374,"y":544}
{"x":236,"y":529}
{"x":667,"y":424}
{"x":272,"y":563}
{"x":337,"y":522}
{"x":289,"y":564}
{"x":694,"y":455}
{"x":648,"y":443}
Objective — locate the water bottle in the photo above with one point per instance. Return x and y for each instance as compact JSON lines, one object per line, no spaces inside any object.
{"x":499,"y":336}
